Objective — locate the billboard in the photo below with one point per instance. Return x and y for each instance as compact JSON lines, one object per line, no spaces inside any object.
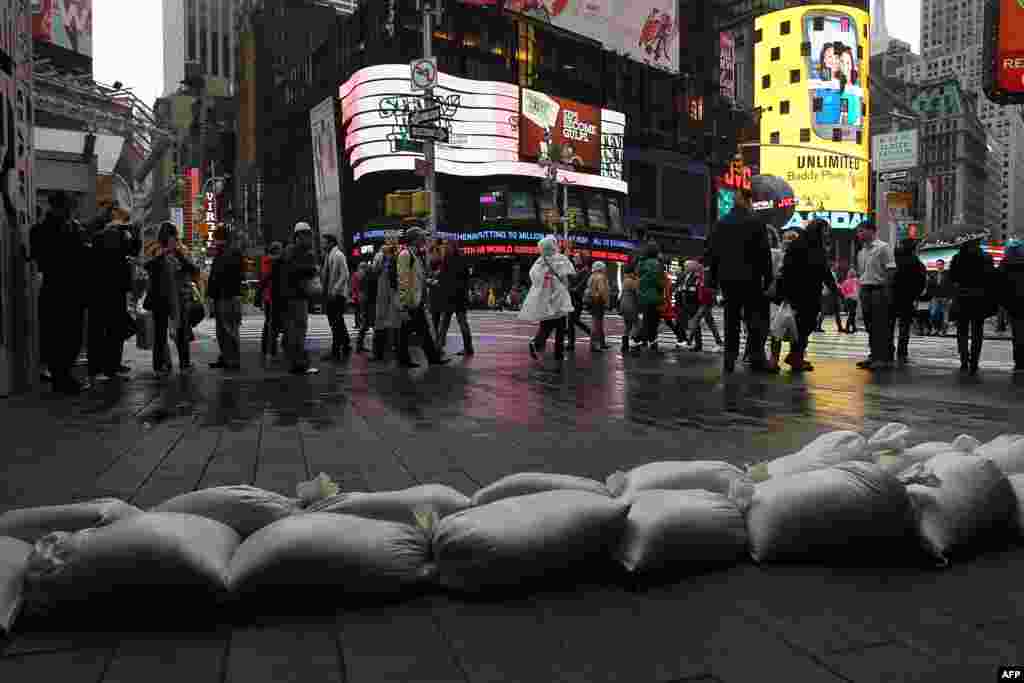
{"x":552,"y":123}
{"x":1004,"y":51}
{"x":644,"y":30}
{"x":727,"y":65}
{"x":64,"y":23}
{"x":484,"y":126}
{"x":811,"y":75}
{"x":326,"y":168}
{"x":894,"y":151}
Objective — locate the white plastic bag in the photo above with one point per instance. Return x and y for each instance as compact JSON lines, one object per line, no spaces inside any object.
{"x":315,"y":490}
{"x":679,"y":530}
{"x":968,"y":500}
{"x":675,"y":475}
{"x":827,"y":450}
{"x":784,"y":324}
{"x":841,"y":510}
{"x":1006,"y":451}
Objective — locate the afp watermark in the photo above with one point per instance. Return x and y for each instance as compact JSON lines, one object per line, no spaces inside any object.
{"x":1011,"y":673}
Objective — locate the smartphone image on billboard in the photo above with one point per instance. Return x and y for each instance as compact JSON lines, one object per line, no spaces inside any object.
{"x":835,"y":84}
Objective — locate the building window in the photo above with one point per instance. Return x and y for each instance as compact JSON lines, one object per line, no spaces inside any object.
{"x":818,"y":104}
{"x":805,"y":49}
{"x":766,"y":81}
{"x":776,"y":54}
{"x":643,"y":189}
{"x":805,"y":135}
{"x":784,"y":28}
{"x":784,"y":107}
{"x":794,"y":75}
{"x":837,"y":135}
{"x":758,"y":35}
{"x":215,"y":54}
{"x":774,"y":138}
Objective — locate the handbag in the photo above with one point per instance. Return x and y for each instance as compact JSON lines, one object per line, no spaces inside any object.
{"x":314,"y":287}
{"x":784,"y":324}
{"x":144,"y":331}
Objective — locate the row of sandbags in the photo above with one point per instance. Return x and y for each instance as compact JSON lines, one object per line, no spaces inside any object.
{"x":842,"y":494}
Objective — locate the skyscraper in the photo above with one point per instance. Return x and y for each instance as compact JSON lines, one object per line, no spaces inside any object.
{"x":200,"y":31}
{"x":948,"y":26}
{"x":879,"y":29}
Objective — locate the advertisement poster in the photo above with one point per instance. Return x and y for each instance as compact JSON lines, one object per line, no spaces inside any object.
{"x":555,"y":127}
{"x":325,"y":166}
{"x":1010,"y":48}
{"x":727,"y":65}
{"x":821,"y":145}
{"x":65,"y":23}
{"x":645,"y":30}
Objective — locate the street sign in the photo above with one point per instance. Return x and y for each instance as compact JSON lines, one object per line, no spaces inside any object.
{"x":893,"y":175}
{"x":423,"y":117}
{"x":460,"y":139}
{"x":423,"y":73}
{"x":406,"y":145}
{"x":422,"y":167}
{"x":428,"y":133}
{"x":896,"y":186}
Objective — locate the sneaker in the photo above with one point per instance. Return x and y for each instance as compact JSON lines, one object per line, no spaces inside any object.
{"x":305,"y":371}
{"x":533,"y":350}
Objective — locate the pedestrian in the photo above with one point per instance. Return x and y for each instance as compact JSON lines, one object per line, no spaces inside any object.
{"x":597,"y":295}
{"x":59,"y":250}
{"x":388,"y":318}
{"x":356,"y":296}
{"x":336,"y":282}
{"x":272,"y":326}
{"x":686,"y":297}
{"x":549,"y":301}
{"x":453,"y":298}
{"x":972,"y":276}
{"x":909,"y":284}
{"x":1011,"y":272}
{"x":876,"y":264}
{"x":942,"y":299}
{"x":831,"y":304}
{"x":367,"y":303}
{"x":805,"y":273}
{"x":224,"y":292}
{"x":300,"y":284}
{"x":651,"y":294}
{"x":778,"y":249}
{"x":170,"y":291}
{"x":703,"y":313}
{"x":412,"y":293}
{"x":112,"y":280}
{"x":577,"y":288}
{"x":629,"y":304}
{"x":740,"y":260}
{"x":850,"y":289}
{"x":922,"y":317}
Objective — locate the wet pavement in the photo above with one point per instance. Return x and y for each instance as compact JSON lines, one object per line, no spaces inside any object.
{"x":376,"y":427}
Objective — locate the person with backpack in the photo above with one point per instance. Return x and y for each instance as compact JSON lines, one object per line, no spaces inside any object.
{"x":549,"y":301}
{"x":909,"y":284}
{"x":388,"y":317}
{"x":972,"y":276}
{"x":271,"y":315}
{"x":597,"y":295}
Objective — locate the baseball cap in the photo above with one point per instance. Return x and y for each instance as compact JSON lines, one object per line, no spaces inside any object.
{"x":302,"y":226}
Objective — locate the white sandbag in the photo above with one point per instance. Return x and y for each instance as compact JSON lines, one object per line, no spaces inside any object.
{"x":397,"y":506}
{"x":677,"y":530}
{"x":347,"y":553}
{"x":827,"y":450}
{"x":896,"y":462}
{"x":14,"y":555}
{"x":515,"y":540}
{"x":1006,"y":451}
{"x":157,"y":551}
{"x":245,"y":509}
{"x":31,"y":524}
{"x":676,"y":475}
{"x":967,"y":500}
{"x":827,"y":512}
{"x":525,"y":483}
{"x":1017,"y":482}
{"x":891,"y":437}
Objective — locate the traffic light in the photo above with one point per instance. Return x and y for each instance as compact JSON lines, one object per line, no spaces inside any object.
{"x":421,"y":203}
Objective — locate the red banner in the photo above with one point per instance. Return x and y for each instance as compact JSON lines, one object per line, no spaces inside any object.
{"x":1010,"y":48}
{"x":574,"y":128}
{"x":191,"y":190}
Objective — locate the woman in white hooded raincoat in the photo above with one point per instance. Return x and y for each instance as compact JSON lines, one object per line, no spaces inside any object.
{"x":549,"y":301}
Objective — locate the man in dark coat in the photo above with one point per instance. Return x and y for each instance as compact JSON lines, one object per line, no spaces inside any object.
{"x":59,"y":249}
{"x":453,"y":298}
{"x":298,"y":266}
{"x":108,"y":312}
{"x":740,"y":260}
{"x":224,"y":292}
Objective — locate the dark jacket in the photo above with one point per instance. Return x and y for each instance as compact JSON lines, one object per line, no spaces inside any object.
{"x":805,"y":271}
{"x":1011,"y":273}
{"x":909,"y":282}
{"x":452,"y":293}
{"x":297,"y":266}
{"x":160,"y":299}
{"x":59,"y":250}
{"x":739,"y":252}
{"x":972,"y":274}
{"x":113,"y":274}
{"x":226,"y":276}
{"x":652,"y":281}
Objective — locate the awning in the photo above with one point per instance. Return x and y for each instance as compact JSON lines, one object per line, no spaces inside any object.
{"x":107,"y":149}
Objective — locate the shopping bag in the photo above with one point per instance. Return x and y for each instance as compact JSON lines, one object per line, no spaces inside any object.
{"x":784,"y":324}
{"x":144,"y":331}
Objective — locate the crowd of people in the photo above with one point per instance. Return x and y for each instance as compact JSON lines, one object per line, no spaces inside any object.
{"x":780,"y":289}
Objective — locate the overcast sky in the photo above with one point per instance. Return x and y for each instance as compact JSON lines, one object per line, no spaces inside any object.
{"x":128,"y":44}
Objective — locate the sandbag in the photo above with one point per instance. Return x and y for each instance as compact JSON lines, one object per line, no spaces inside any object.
{"x":827,"y":450}
{"x":14,"y":555}
{"x":349,"y":554}
{"x":159,"y":552}
{"x":245,"y":509}
{"x":677,"y":530}
{"x":960,"y":502}
{"x":1017,"y":482}
{"x":397,"y":506}
{"x":896,"y":462}
{"x":708,"y":475}
{"x":1006,"y":451}
{"x":525,"y":483}
{"x":31,"y":524}
{"x":515,"y":540}
{"x":823,"y":513}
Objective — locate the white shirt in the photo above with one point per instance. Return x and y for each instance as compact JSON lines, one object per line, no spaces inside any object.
{"x":874,"y":261}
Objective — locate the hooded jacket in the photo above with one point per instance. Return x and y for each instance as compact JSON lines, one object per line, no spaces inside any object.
{"x":549,"y":296}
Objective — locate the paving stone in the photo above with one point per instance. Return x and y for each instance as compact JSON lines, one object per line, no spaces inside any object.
{"x":235,"y":459}
{"x":291,"y":653}
{"x":127,"y":475}
{"x":70,"y":665}
{"x":182,"y":470}
{"x":280,"y":466}
{"x":896,"y":662}
{"x":159,"y":657}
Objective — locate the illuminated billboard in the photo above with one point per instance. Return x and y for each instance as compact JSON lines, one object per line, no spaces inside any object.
{"x":644,"y":30}
{"x":322,"y":122}
{"x":552,"y":123}
{"x":64,"y":23}
{"x":811,"y":74}
{"x":484,"y":127}
{"x":1004,"y":51}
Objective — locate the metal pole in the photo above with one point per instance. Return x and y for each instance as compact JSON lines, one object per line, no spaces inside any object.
{"x":565,"y":213}
{"x":428,"y":145}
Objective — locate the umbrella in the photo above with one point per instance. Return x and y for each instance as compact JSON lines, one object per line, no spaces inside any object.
{"x":954,"y":235}
{"x":776,"y":193}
